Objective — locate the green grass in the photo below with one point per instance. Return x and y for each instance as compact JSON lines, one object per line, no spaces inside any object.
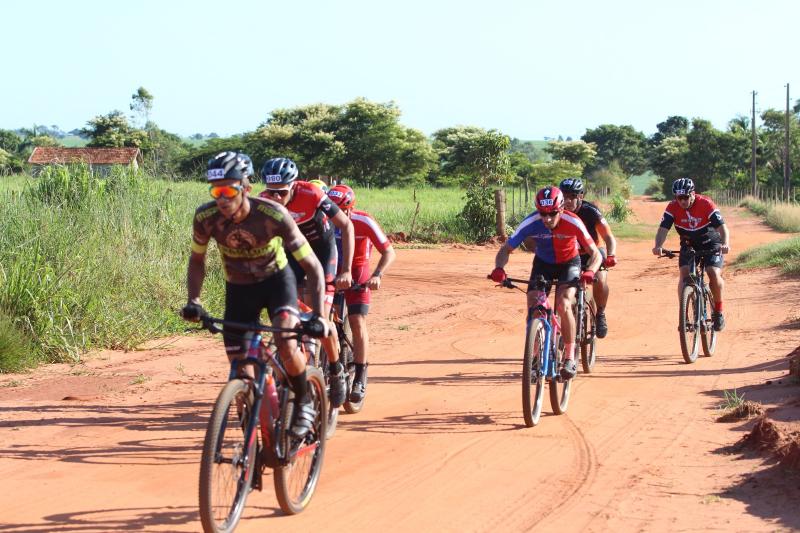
{"x":633,"y":230}
{"x":783,"y":254}
{"x":640,"y":182}
{"x":783,"y":217}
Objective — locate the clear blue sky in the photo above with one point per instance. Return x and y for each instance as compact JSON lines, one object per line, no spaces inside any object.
{"x":527,"y":68}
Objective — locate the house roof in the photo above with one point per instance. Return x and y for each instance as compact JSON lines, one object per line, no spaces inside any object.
{"x":47,"y":155}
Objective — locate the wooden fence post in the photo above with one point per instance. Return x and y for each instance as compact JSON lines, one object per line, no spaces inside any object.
{"x":500,"y":207}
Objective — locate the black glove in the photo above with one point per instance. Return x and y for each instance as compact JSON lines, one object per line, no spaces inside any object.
{"x":192,"y":312}
{"x":316,"y":327}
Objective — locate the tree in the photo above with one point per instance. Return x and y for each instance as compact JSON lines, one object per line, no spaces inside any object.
{"x":113,"y":131}
{"x":618,"y":143}
{"x":668,"y":160}
{"x":473,"y":154}
{"x":9,"y":141}
{"x":142,"y":105}
{"x":772,"y":139}
{"x":527,"y":148}
{"x":674,"y":126}
{"x":578,"y":152}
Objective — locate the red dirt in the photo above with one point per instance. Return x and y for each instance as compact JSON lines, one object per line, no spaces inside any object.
{"x":113,"y":444}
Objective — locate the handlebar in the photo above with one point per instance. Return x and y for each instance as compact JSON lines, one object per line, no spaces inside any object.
{"x":210,"y":323}
{"x":509,"y":282}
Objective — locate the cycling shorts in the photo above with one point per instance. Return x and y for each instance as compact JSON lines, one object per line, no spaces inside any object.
{"x":358,"y":300}
{"x":585,"y":259}
{"x":569,"y":271}
{"x":244,"y":303}
{"x":325,"y":251}
{"x":712,"y":256}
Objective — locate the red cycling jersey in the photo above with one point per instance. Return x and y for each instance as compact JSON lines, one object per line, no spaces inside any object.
{"x":556,"y":246}
{"x":367,"y":233}
{"x":696,"y":225}
{"x":311,"y":209}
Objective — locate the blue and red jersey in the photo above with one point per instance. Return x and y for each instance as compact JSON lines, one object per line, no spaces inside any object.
{"x":555,"y":246}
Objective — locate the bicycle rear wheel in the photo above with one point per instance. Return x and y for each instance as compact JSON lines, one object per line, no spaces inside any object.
{"x":688,"y":323}
{"x":227,"y":464}
{"x":533,"y":374}
{"x":296,"y":481}
{"x":559,"y":388}
{"x":707,"y":332}
{"x":588,"y":339}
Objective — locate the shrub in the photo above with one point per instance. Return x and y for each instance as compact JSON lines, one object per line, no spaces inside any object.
{"x":479,"y":212}
{"x":619,"y":211}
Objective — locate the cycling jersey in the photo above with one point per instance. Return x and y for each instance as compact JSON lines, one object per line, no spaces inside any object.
{"x":555,"y":246}
{"x":367,"y":233}
{"x":312,"y":210}
{"x":591,"y":216}
{"x":253,"y":249}
{"x":697,"y":225}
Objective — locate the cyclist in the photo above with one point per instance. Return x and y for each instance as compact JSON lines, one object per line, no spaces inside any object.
{"x":596,"y":225}
{"x":368,"y":233}
{"x":700,"y":225}
{"x":321,"y":184}
{"x":316,"y":216}
{"x":251,"y":234}
{"x":556,"y":237}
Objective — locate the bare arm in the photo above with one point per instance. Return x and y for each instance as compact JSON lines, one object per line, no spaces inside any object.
{"x":387,"y":258}
{"x":661,"y":236}
{"x":345,"y":277}
{"x":725,"y":233}
{"x":501,"y":259}
{"x":604,"y":230}
{"x":195,"y":276}
{"x":595,"y":258}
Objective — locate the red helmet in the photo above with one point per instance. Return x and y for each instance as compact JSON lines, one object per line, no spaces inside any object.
{"x":343,"y":196}
{"x":550,"y":200}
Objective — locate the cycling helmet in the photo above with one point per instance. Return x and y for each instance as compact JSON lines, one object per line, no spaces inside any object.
{"x":572,"y":186}
{"x":279,"y":171}
{"x":343,"y":196}
{"x":321,"y":184}
{"x":229,"y":166}
{"x":682,"y":186}
{"x":550,"y":200}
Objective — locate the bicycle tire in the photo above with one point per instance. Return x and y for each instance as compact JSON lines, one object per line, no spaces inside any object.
{"x":559,"y":400}
{"x":532,"y":376}
{"x":296,"y":481}
{"x":687,"y":325}
{"x":333,"y":412}
{"x":588,"y":342}
{"x":348,"y":360}
{"x":220,"y":514}
{"x":708,"y":333}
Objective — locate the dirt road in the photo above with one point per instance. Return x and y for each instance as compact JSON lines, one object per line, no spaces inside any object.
{"x":114,"y":444}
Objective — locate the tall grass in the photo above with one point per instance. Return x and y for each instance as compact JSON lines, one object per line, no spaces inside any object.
{"x":780,"y":216}
{"x":88,"y":262}
{"x":784,"y":254}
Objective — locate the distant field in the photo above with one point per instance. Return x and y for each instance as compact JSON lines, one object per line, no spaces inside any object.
{"x":73,"y":141}
{"x":639,"y":183}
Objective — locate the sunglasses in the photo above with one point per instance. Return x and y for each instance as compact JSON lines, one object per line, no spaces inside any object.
{"x":548,"y":214}
{"x":277,"y":192}
{"x":226,"y":191}
{"x":682,"y":197}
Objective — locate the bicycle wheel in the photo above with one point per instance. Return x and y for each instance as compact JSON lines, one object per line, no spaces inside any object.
{"x":333,"y":412}
{"x":533,"y":374}
{"x":296,"y":481}
{"x":707,"y":332}
{"x":227,"y":464}
{"x":559,"y":388}
{"x":348,"y":360}
{"x":688,"y":323}
{"x":588,"y":339}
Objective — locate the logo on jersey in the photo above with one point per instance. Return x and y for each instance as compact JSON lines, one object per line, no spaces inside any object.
{"x":273,"y":178}
{"x":240,"y":239}
{"x":692,"y":221}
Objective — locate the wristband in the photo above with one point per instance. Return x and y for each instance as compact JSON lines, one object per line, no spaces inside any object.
{"x":377,"y":274}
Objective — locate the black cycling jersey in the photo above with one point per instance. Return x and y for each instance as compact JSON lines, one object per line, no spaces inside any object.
{"x":591,"y":216}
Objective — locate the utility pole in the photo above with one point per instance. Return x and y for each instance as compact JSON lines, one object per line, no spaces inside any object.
{"x":786,"y":171}
{"x":753,"y":155}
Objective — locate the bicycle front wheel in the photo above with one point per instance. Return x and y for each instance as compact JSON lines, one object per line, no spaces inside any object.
{"x":588,"y":342}
{"x":559,"y":388}
{"x":296,"y":481}
{"x":688,"y":323}
{"x":333,"y":411}
{"x":533,"y":374}
{"x":707,"y":332}
{"x":227,"y":463}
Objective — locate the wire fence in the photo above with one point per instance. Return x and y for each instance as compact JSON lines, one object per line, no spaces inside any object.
{"x":768,"y":195}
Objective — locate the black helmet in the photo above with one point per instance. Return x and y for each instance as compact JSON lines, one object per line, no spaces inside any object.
{"x":572,"y":186}
{"x":682,"y":186}
{"x":279,"y":171}
{"x":229,"y":166}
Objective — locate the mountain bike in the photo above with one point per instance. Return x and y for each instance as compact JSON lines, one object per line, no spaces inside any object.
{"x":696,"y":305}
{"x":340,"y":320}
{"x":543,"y":355}
{"x":249,"y":431}
{"x":585,"y":311}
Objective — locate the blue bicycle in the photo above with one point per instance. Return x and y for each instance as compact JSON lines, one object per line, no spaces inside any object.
{"x":544,"y":353}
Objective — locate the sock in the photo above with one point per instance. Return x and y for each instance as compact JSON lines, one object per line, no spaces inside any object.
{"x":569,"y":351}
{"x":718,"y":307}
{"x":360,"y":367}
{"x":299,"y":386}
{"x":601,"y":310}
{"x":334,"y":368}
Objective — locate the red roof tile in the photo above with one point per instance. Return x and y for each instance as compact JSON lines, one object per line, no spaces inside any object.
{"x":44,"y":155}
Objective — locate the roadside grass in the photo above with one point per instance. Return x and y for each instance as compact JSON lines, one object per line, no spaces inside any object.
{"x":633,"y":230}
{"x":782,"y":217}
{"x":735,"y":407}
{"x":783,"y":254}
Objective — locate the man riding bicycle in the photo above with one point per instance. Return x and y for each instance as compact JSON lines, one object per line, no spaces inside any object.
{"x":368,"y":233}
{"x":557,"y":236}
{"x":253,"y":235}
{"x":313,"y":212}
{"x":700,"y":226}
{"x":596,"y":225}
